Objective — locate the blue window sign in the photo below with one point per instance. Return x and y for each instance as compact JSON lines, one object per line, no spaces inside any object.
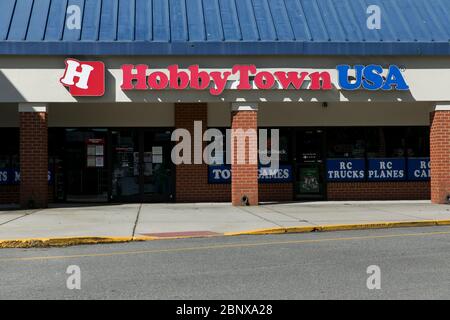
{"x":387,"y":169}
{"x":346,"y":169}
{"x":279,"y":175}
{"x":15,"y":176}
{"x":4,"y":176}
{"x":10,"y":176}
{"x":220,"y":174}
{"x":419,"y":169}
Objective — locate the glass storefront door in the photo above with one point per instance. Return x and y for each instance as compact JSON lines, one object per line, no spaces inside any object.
{"x":141,"y":167}
{"x":309,"y":164}
{"x":85,"y":165}
{"x":111,"y":164}
{"x":157,"y":167}
{"x":126,"y":165}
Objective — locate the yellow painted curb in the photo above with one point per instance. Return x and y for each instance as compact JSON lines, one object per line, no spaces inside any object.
{"x":279,"y":230}
{"x":147,"y":238}
{"x":343,"y":227}
{"x":72,"y":241}
{"x":61,"y":242}
{"x":75,"y":241}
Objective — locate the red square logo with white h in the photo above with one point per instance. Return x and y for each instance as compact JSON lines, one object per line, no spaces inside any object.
{"x":85,"y":78}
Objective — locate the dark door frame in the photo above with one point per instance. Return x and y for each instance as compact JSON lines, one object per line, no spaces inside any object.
{"x":319,"y":162}
{"x":170,"y":197}
{"x":141,"y":197}
{"x":64,"y":157}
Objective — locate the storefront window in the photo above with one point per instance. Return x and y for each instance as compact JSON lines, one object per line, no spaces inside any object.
{"x":284,"y":135}
{"x":395,"y":141}
{"x":418,"y":142}
{"x":56,"y":147}
{"x":9,"y":152}
{"x":346,"y":143}
{"x":218,"y":157}
{"x":378,"y":154}
{"x":9,"y":155}
{"x":4,"y":161}
{"x":375,"y":142}
{"x":285,"y":143}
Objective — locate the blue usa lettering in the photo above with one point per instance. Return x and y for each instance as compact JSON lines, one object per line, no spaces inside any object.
{"x":371,"y":78}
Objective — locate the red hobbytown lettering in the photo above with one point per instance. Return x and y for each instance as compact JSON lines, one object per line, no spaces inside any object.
{"x":138,"y":77}
{"x":320,"y":81}
{"x":179,"y":80}
{"x":220,"y":80}
{"x":244,"y":75}
{"x":287,"y":79}
{"x":132,"y":73}
{"x":200,"y":80}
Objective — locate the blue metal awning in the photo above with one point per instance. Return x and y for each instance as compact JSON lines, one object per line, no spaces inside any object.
{"x":223,"y":27}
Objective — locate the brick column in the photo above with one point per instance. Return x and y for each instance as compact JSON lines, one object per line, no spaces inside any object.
{"x":440,"y":154}
{"x":33,"y":155}
{"x":191,"y":179}
{"x":244,"y":176}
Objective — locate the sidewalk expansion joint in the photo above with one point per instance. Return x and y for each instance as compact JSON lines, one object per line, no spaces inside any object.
{"x":258,"y":216}
{"x":292,"y":217}
{"x":136,"y":221}
{"x":20,"y":217}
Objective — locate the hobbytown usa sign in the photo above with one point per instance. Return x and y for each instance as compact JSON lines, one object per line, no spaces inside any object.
{"x":88,"y":78}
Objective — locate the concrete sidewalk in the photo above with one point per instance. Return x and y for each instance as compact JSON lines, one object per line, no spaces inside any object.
{"x":154,"y":221}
